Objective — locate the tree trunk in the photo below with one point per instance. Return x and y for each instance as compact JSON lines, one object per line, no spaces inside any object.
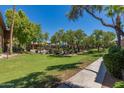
{"x":98,"y":48}
{"x":118,"y":28}
{"x":78,"y":48}
{"x":33,"y":45}
{"x":118,"y":38}
{"x":11,"y":32}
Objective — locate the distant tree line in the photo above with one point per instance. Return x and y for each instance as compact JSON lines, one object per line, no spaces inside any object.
{"x":71,"y":41}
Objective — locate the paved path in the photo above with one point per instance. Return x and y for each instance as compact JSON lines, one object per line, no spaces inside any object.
{"x":90,"y":77}
{"x":5,"y":55}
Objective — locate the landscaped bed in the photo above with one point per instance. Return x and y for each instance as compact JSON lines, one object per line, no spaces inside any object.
{"x":35,"y":70}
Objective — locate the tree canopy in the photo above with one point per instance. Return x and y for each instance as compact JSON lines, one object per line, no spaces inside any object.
{"x":25,"y":31}
{"x":77,"y":40}
{"x":115,"y":14}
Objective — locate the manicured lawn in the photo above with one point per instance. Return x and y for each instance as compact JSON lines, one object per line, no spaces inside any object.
{"x":35,"y":70}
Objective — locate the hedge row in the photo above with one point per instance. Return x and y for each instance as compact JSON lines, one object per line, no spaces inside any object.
{"x":114,"y":61}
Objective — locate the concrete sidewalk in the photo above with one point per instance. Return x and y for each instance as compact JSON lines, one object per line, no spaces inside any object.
{"x":90,"y":77}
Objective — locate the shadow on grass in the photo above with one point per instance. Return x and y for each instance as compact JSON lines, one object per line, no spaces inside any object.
{"x":59,"y":56}
{"x":64,"y":67}
{"x":33,"y":80}
{"x":69,"y":85}
{"x":93,"y":52}
{"x":97,"y":55}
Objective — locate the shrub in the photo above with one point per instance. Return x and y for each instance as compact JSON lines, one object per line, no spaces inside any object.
{"x":119,"y":84}
{"x":114,"y":61}
{"x":0,"y":50}
{"x":90,"y":52}
{"x":114,"y":49}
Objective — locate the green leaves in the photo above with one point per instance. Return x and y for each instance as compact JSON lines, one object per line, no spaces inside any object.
{"x":114,"y":61}
{"x":103,"y":38}
{"x":25,"y":31}
{"x":58,"y":36}
{"x":76,"y":12}
{"x":119,"y":84}
{"x":69,"y":37}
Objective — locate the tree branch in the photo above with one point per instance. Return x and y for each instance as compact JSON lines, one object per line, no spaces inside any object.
{"x":113,"y":21}
{"x":100,"y":19}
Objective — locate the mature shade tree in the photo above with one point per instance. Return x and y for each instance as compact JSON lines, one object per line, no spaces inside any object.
{"x":25,"y":31}
{"x":75,"y":41}
{"x":113,"y":12}
{"x":79,"y":36}
{"x":102,"y":39}
{"x":57,"y":38}
{"x":98,"y":35}
{"x":69,"y":41}
{"x":88,"y":42}
{"x":108,"y":39}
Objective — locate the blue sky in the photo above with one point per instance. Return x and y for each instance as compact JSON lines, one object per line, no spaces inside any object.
{"x":53,"y":17}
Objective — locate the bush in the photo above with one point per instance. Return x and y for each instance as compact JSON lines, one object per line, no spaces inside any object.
{"x":119,"y":84}
{"x":114,"y":61}
{"x":0,"y":50}
{"x":114,"y":49}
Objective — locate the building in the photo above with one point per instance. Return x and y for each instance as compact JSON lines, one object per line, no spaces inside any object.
{"x":4,"y":34}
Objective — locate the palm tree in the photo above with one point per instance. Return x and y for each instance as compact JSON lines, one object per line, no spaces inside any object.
{"x":11,"y":30}
{"x":114,"y":12}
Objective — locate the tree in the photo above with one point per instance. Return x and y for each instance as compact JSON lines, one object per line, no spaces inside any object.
{"x":46,"y":36}
{"x":70,"y":39}
{"x":102,"y":39}
{"x":11,"y":30}
{"x":79,"y":36}
{"x":25,"y":31}
{"x":57,"y":38}
{"x":108,"y":39}
{"x":114,"y":13}
{"x":98,"y":35}
{"x":88,"y":42}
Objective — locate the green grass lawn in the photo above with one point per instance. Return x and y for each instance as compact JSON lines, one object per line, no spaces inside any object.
{"x":35,"y":70}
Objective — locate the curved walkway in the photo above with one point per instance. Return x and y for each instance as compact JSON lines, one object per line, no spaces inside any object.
{"x":90,"y":77}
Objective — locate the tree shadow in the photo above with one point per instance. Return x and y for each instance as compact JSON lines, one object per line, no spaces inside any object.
{"x":33,"y":80}
{"x":69,"y":85}
{"x":97,"y":55}
{"x":64,"y":67}
{"x":59,"y":56}
{"x":93,"y":52}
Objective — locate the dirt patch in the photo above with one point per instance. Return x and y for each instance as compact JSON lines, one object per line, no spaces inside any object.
{"x":69,"y":73}
{"x":109,"y":81}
